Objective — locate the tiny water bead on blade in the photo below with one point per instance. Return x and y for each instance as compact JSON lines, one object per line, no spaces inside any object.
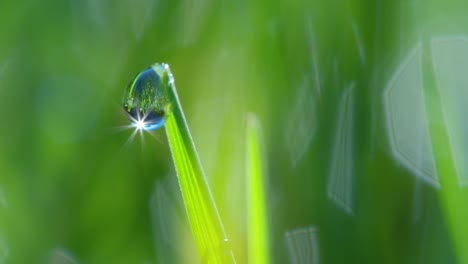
{"x":151,"y":101}
{"x":146,"y":101}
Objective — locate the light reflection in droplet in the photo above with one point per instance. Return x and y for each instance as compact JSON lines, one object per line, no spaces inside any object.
{"x":145,"y":100}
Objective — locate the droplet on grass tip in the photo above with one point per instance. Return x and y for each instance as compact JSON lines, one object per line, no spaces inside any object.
{"x":145,"y":100}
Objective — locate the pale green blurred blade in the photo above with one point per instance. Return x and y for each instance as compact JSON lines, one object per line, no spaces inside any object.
{"x":452,"y":198}
{"x":449,"y":57}
{"x":256,"y":195}
{"x":205,"y":222}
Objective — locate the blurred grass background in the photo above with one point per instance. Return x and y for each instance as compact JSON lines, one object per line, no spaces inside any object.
{"x":70,"y":186}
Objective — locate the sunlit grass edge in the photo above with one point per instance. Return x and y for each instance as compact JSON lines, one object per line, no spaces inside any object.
{"x":207,"y":227}
{"x":258,"y":237}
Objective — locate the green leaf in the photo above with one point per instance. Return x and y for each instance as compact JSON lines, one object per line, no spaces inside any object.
{"x":206,"y":224}
{"x":258,"y":249}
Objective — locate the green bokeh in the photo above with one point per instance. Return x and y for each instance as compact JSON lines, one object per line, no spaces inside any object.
{"x":70,"y":181}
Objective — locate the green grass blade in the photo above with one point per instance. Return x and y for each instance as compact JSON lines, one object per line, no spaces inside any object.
{"x":207,"y":228}
{"x":258,"y":249}
{"x":451,"y":196}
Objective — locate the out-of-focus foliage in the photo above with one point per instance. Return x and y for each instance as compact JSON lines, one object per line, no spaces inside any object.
{"x":258,"y":244}
{"x":378,"y":180}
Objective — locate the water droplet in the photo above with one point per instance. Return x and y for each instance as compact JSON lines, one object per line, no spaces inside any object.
{"x":146,"y":101}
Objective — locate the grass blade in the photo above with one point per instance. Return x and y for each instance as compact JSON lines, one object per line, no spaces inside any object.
{"x":258,"y":250}
{"x":206,"y":224}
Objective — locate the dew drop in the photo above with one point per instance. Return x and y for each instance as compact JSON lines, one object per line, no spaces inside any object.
{"x":145,"y":100}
